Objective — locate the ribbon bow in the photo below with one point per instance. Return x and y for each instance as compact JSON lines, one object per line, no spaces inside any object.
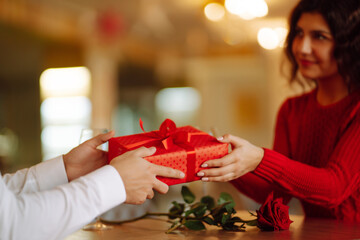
{"x":166,"y":135}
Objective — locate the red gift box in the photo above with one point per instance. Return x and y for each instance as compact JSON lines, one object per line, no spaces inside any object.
{"x":184,"y":148}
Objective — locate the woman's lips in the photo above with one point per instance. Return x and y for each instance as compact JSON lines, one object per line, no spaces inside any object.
{"x":306,"y":63}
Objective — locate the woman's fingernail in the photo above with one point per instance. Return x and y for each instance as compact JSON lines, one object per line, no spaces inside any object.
{"x":205,"y":179}
{"x":220,"y":138}
{"x":204,"y":165}
{"x":182,"y":175}
{"x":200,"y":174}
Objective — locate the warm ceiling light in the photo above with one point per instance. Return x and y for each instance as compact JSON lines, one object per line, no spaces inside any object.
{"x":65,"y":110}
{"x":268,"y":38}
{"x":247,"y":9}
{"x":259,"y":8}
{"x":233,"y":6}
{"x":60,"y":82}
{"x":214,"y":12}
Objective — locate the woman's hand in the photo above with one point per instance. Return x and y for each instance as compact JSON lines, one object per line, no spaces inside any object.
{"x":244,"y":158}
{"x":86,"y":157}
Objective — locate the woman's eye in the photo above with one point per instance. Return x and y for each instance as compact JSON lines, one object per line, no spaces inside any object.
{"x":320,"y":36}
{"x":298,"y":33}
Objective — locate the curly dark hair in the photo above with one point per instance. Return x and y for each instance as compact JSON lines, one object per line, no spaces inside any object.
{"x":343,"y":18}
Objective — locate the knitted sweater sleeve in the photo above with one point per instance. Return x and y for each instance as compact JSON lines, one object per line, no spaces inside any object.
{"x":255,"y":186}
{"x":327,"y":186}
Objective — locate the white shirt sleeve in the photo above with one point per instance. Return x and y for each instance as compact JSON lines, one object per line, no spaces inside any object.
{"x":43,"y":176}
{"x":57,"y":212}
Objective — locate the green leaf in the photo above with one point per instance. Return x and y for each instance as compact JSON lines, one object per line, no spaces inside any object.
{"x":194,"y":225}
{"x":218,"y":209}
{"x":252,"y":222}
{"x":187,"y":195}
{"x":233,"y":227}
{"x":176,"y":210}
{"x":218,"y":215}
{"x":225,"y":197}
{"x":198,"y":209}
{"x":230,"y":209}
{"x":200,"y":212}
{"x":209,"y":220}
{"x":229,"y":227}
{"x":209,"y":201}
{"x":206,"y":211}
{"x":225,"y":218}
{"x":217,"y":219}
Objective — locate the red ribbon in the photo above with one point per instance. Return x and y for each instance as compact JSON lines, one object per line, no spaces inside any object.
{"x":168,"y":137}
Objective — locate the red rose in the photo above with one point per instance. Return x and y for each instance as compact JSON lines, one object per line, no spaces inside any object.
{"x":273,"y":215}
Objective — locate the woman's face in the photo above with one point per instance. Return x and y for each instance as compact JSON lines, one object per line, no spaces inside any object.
{"x":313,"y":47}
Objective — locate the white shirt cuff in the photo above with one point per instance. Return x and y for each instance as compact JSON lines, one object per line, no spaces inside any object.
{"x":110,"y":186}
{"x":51,"y":173}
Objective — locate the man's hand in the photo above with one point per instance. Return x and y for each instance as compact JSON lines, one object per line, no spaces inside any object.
{"x":86,"y":157}
{"x":139,"y":175}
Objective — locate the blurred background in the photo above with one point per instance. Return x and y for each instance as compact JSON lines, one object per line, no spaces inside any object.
{"x":70,"y":64}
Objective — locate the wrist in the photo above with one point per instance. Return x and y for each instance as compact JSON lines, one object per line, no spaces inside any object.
{"x":67,"y":167}
{"x":260,"y":156}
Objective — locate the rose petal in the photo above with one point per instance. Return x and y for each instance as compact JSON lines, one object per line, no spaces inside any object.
{"x":273,"y":215}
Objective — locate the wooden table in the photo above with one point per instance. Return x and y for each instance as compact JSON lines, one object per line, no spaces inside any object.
{"x":308,"y":229}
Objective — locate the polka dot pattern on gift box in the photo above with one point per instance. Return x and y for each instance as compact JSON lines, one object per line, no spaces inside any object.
{"x":205,"y":146}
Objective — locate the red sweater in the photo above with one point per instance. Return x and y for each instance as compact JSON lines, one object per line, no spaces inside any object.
{"x":316,"y":158}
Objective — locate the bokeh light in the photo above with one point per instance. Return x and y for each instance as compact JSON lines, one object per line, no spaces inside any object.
{"x":72,"y":81}
{"x":214,"y":12}
{"x":247,"y":9}
{"x":268,"y":38}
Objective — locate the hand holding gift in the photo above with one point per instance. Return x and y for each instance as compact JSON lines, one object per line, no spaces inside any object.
{"x":139,"y":175}
{"x":244,"y":158}
{"x":184,"y":148}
